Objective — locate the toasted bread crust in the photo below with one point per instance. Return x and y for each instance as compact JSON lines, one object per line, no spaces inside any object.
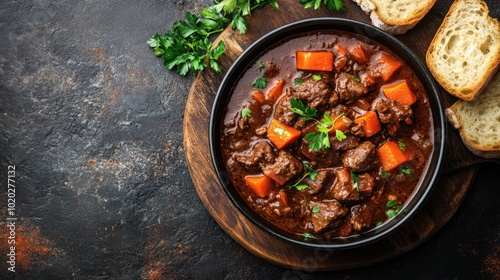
{"x":384,"y":14}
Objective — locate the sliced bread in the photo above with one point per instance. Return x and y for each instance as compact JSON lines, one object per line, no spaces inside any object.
{"x":465,"y":51}
{"x":396,"y":16}
{"x":479,"y":121}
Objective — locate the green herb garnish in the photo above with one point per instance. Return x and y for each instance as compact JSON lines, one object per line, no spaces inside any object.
{"x":355,"y":179}
{"x":316,"y":77}
{"x":297,"y":82}
{"x":260,"y":82}
{"x":402,"y":146}
{"x":188,"y":46}
{"x":260,"y":65}
{"x":307,"y":235}
{"x":405,"y":170}
{"x":393,"y":208}
{"x":320,"y":140}
{"x":246,"y":113}
{"x":357,"y":79}
{"x":391,"y":203}
{"x":384,"y":174}
{"x":334,"y":5}
{"x":307,"y":113}
{"x":315,"y":209}
{"x":311,"y":173}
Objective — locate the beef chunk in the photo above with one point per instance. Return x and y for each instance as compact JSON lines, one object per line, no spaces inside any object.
{"x":343,"y":190}
{"x":328,"y":214}
{"x":365,"y":184}
{"x":349,"y":142}
{"x":285,"y":167}
{"x":361,"y":217}
{"x":283,"y":112}
{"x":261,"y":154}
{"x":321,"y":180}
{"x":315,"y":93}
{"x":390,"y":111}
{"x":361,"y":158}
{"x":348,"y":88}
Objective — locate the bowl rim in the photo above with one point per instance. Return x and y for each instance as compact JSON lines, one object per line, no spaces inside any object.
{"x":431,"y":174}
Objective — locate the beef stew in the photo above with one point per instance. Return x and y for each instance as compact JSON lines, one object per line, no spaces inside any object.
{"x":327,"y":134}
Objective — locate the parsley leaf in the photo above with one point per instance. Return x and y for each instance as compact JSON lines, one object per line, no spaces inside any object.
{"x":315,"y":209}
{"x":311,"y":174}
{"x":355,"y":179}
{"x":402,"y":146}
{"x":187,"y":46}
{"x":260,"y":82}
{"x":298,"y":81}
{"x":246,"y":113}
{"x":405,"y":170}
{"x":316,"y":77}
{"x":298,"y":107}
{"x":334,"y":5}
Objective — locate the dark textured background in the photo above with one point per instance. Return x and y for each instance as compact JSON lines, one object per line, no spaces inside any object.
{"x":93,"y":124}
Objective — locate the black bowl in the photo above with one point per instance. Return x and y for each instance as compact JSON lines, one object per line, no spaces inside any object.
{"x":265,"y":43}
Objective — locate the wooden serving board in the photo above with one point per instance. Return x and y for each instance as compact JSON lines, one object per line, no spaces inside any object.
{"x":459,"y":169}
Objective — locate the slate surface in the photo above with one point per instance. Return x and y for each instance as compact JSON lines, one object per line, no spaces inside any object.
{"x":92,"y":123}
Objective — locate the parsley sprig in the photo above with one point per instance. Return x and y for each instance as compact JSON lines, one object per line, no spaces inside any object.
{"x":188,"y":47}
{"x":334,"y":5}
{"x":298,"y":107}
{"x":311,"y":174}
{"x":319,"y":140}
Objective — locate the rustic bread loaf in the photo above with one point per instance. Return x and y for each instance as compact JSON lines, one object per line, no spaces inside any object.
{"x":397,"y":16}
{"x":465,"y":51}
{"x":479,"y":121}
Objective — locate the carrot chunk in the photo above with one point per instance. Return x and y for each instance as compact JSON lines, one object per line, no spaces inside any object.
{"x":259,"y":97}
{"x":261,"y":185}
{"x":275,"y":92}
{"x":281,"y":134}
{"x":357,"y":53}
{"x":369,"y":123}
{"x":339,"y":124}
{"x":400,"y":92}
{"x":282,"y":197}
{"x":314,"y":60}
{"x":385,"y":65}
{"x":391,"y":156}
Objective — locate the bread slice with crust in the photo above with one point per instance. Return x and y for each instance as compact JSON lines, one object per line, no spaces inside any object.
{"x":396,"y":16}
{"x":478,"y":121}
{"x":465,"y":51}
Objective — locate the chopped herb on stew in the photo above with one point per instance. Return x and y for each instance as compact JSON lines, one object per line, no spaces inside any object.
{"x":405,"y":170}
{"x":246,"y":113}
{"x":315,"y":209}
{"x":260,"y":82}
{"x":355,"y":179}
{"x":307,"y":113}
{"x":402,"y":146}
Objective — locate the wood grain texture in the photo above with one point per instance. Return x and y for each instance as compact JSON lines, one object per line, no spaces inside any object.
{"x":440,"y":207}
